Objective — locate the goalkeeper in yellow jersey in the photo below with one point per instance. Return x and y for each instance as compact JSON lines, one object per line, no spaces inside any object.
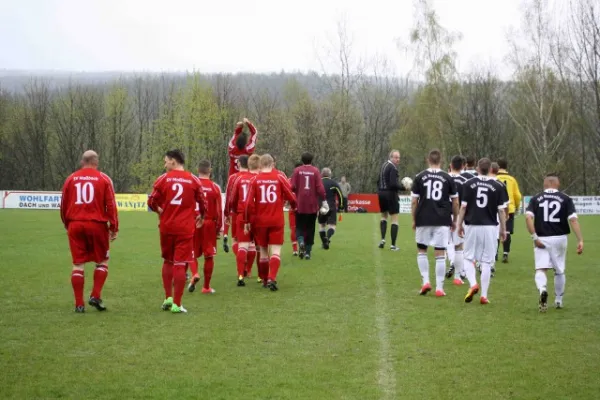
{"x":514,"y":197}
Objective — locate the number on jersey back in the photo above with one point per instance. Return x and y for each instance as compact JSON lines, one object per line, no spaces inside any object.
{"x":551,"y":211}
{"x":483,"y":196}
{"x":434,"y":190}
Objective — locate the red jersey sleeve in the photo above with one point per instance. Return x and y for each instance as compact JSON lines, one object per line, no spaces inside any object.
{"x":111,"y":204}
{"x":219,"y":208}
{"x":156,"y":198}
{"x":65,"y":201}
{"x":229,"y":193}
{"x":288,"y":195}
{"x":200,"y":198}
{"x":236,"y":133}
{"x":251,"y":145}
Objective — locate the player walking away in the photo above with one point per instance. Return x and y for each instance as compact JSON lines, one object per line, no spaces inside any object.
{"x":308,"y":187}
{"x":455,"y":245}
{"x":469,"y":171}
{"x":494,"y":174}
{"x":292,"y":222}
{"x":228,"y":189}
{"x":246,"y":252}
{"x":514,"y":196}
{"x":264,"y":216}
{"x":328,"y":220}
{"x":89,"y":213}
{"x":387,"y":192}
{"x":482,"y":206}
{"x":434,"y":204}
{"x":548,"y":215}
{"x":346,"y":190}
{"x":205,"y":237}
{"x":240,"y":144}
{"x":174,"y":199}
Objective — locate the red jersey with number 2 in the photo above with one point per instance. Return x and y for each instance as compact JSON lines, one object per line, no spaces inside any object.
{"x":177,"y":193}
{"x":268,"y":192}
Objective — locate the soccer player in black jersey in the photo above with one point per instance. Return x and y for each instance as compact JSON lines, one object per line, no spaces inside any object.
{"x":434,"y":204}
{"x":455,"y":245}
{"x":548,"y":215}
{"x":328,"y":221}
{"x":469,"y":168}
{"x":482,"y":206}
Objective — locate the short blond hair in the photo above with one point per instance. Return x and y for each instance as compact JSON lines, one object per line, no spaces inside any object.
{"x":253,"y":162}
{"x":266,"y":161}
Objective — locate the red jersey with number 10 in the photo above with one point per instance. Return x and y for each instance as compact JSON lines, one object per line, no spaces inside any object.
{"x":268,"y":192}
{"x":88,"y":195}
{"x":177,"y":193}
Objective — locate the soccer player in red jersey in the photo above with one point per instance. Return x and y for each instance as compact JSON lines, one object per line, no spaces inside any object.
{"x":174,"y":198}
{"x":89,"y":212}
{"x":292,"y":223}
{"x":230,"y":217}
{"x":240,"y":144}
{"x":205,"y":238}
{"x":246,"y":249}
{"x":308,"y":187}
{"x":264,"y":215}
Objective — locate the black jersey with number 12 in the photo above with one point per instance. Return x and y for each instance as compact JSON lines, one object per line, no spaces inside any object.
{"x":435,"y":190}
{"x":551,"y":211}
{"x":483,"y":196}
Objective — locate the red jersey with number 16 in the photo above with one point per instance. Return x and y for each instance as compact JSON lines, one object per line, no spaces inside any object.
{"x":268,"y":192}
{"x":177,"y":193}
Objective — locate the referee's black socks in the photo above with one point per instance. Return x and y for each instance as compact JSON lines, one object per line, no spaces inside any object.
{"x":383,"y":227}
{"x":330,"y":233}
{"x":394,"y":232}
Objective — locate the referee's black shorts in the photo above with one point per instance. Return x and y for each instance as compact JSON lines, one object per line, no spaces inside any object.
{"x":388,"y":201}
{"x":330,"y":218}
{"x":510,"y":223}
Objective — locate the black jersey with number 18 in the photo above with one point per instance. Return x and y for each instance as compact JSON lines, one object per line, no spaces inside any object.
{"x":434,"y":190}
{"x":551,"y":211}
{"x":483,"y":196}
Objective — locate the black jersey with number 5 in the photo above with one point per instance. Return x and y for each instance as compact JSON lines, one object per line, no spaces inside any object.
{"x":434,"y":190}
{"x":483,"y":196}
{"x":551,"y":211}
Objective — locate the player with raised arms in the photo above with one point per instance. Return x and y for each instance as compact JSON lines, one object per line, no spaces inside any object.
{"x":173,"y":198}
{"x":483,"y":204}
{"x":89,"y":213}
{"x":548,"y":215}
{"x":264,"y":217}
{"x":205,"y":237}
{"x":434,"y":209}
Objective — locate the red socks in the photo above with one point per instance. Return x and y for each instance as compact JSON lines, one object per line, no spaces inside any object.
{"x":77,"y":281}
{"x":295,"y":246}
{"x":209,"y":265}
{"x":167,"y":276}
{"x":274,"y":264}
{"x":234,"y":247}
{"x":100,"y":275}
{"x":226,"y":230}
{"x":263,"y":268}
{"x":240,"y":258}
{"x":194,"y":267}
{"x":250,"y":260}
{"x":178,"y":283}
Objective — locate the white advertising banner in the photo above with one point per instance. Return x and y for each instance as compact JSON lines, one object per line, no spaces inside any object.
{"x":31,"y":200}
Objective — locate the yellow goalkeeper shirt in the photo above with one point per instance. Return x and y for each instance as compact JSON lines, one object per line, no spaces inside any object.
{"x":512,"y":186}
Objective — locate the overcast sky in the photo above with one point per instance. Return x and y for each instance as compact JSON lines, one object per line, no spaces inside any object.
{"x":234,"y":35}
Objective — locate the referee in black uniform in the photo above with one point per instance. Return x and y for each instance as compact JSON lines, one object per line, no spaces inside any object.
{"x":387,"y":192}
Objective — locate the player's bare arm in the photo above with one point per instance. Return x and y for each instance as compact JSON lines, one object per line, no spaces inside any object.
{"x":502,"y":218}
{"x":461,"y":218}
{"x":577,"y":230}
{"x":455,"y":211}
{"x":413,"y":207}
{"x":531,"y":229}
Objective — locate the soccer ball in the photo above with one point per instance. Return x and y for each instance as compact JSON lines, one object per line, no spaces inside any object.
{"x":407,"y":183}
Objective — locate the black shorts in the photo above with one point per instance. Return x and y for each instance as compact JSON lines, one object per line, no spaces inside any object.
{"x":388,"y":202}
{"x":510,"y":223}
{"x":330,"y":218}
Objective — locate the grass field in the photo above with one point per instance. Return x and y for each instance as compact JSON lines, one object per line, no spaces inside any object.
{"x":346,"y":325}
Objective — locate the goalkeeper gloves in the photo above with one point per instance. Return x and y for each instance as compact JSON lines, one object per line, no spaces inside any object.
{"x":324,"y":208}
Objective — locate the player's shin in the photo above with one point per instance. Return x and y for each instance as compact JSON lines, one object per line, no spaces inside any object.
{"x":330,"y":232}
{"x":78,"y":281}
{"x":167,"y":277}
{"x":263,"y":267}
{"x":194,"y":267}
{"x":458,"y":263}
{"x":559,"y":286}
{"x":394,"y":232}
{"x":323,"y":234}
{"x":451,"y":253}
{"x":469,"y":268}
{"x":541,"y":281}
{"x":178,"y":282}
{"x":100,"y":275}
{"x":274,"y":264}
{"x":209,"y":266}
{"x":440,"y":271}
{"x":486,"y":275}
{"x":250,"y":259}
{"x":423,"y":263}
{"x":241,"y":259}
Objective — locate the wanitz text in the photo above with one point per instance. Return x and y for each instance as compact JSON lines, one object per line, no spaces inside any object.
{"x":484,"y":184}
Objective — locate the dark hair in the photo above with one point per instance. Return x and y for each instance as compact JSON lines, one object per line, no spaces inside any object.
{"x":503,"y":163}
{"x":495,"y":168}
{"x":241,"y":141}
{"x":435,"y":157}
{"x":176,"y":155}
{"x":457,"y":163}
{"x":243,"y":160}
{"x":470,"y":161}
{"x":204,"y":167}
{"x":306,"y":158}
{"x":484,"y":165}
{"x":551,"y":175}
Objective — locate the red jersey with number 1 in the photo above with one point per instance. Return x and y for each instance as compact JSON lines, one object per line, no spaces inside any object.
{"x":239,"y":193}
{"x":234,"y":152}
{"x":268,"y":192}
{"x":88,"y":195}
{"x":177,"y":193}
{"x":308,"y":186}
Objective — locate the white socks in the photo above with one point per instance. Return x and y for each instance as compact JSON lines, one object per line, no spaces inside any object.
{"x":486,"y":275}
{"x":423,"y":263}
{"x":559,"y":286}
{"x":458,"y":263}
{"x":470,"y":272}
{"x":541,"y":280}
{"x":440,"y":272}
{"x":450,"y":254}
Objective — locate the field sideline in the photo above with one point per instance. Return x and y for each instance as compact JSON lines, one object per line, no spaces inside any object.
{"x":347,"y":324}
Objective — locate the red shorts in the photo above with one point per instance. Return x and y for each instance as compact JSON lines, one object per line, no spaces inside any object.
{"x":265,"y":236}
{"x":177,"y":248}
{"x":243,"y":237}
{"x":88,"y":241}
{"x":205,"y":240}
{"x":292,"y":219}
{"x":233,"y":225}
